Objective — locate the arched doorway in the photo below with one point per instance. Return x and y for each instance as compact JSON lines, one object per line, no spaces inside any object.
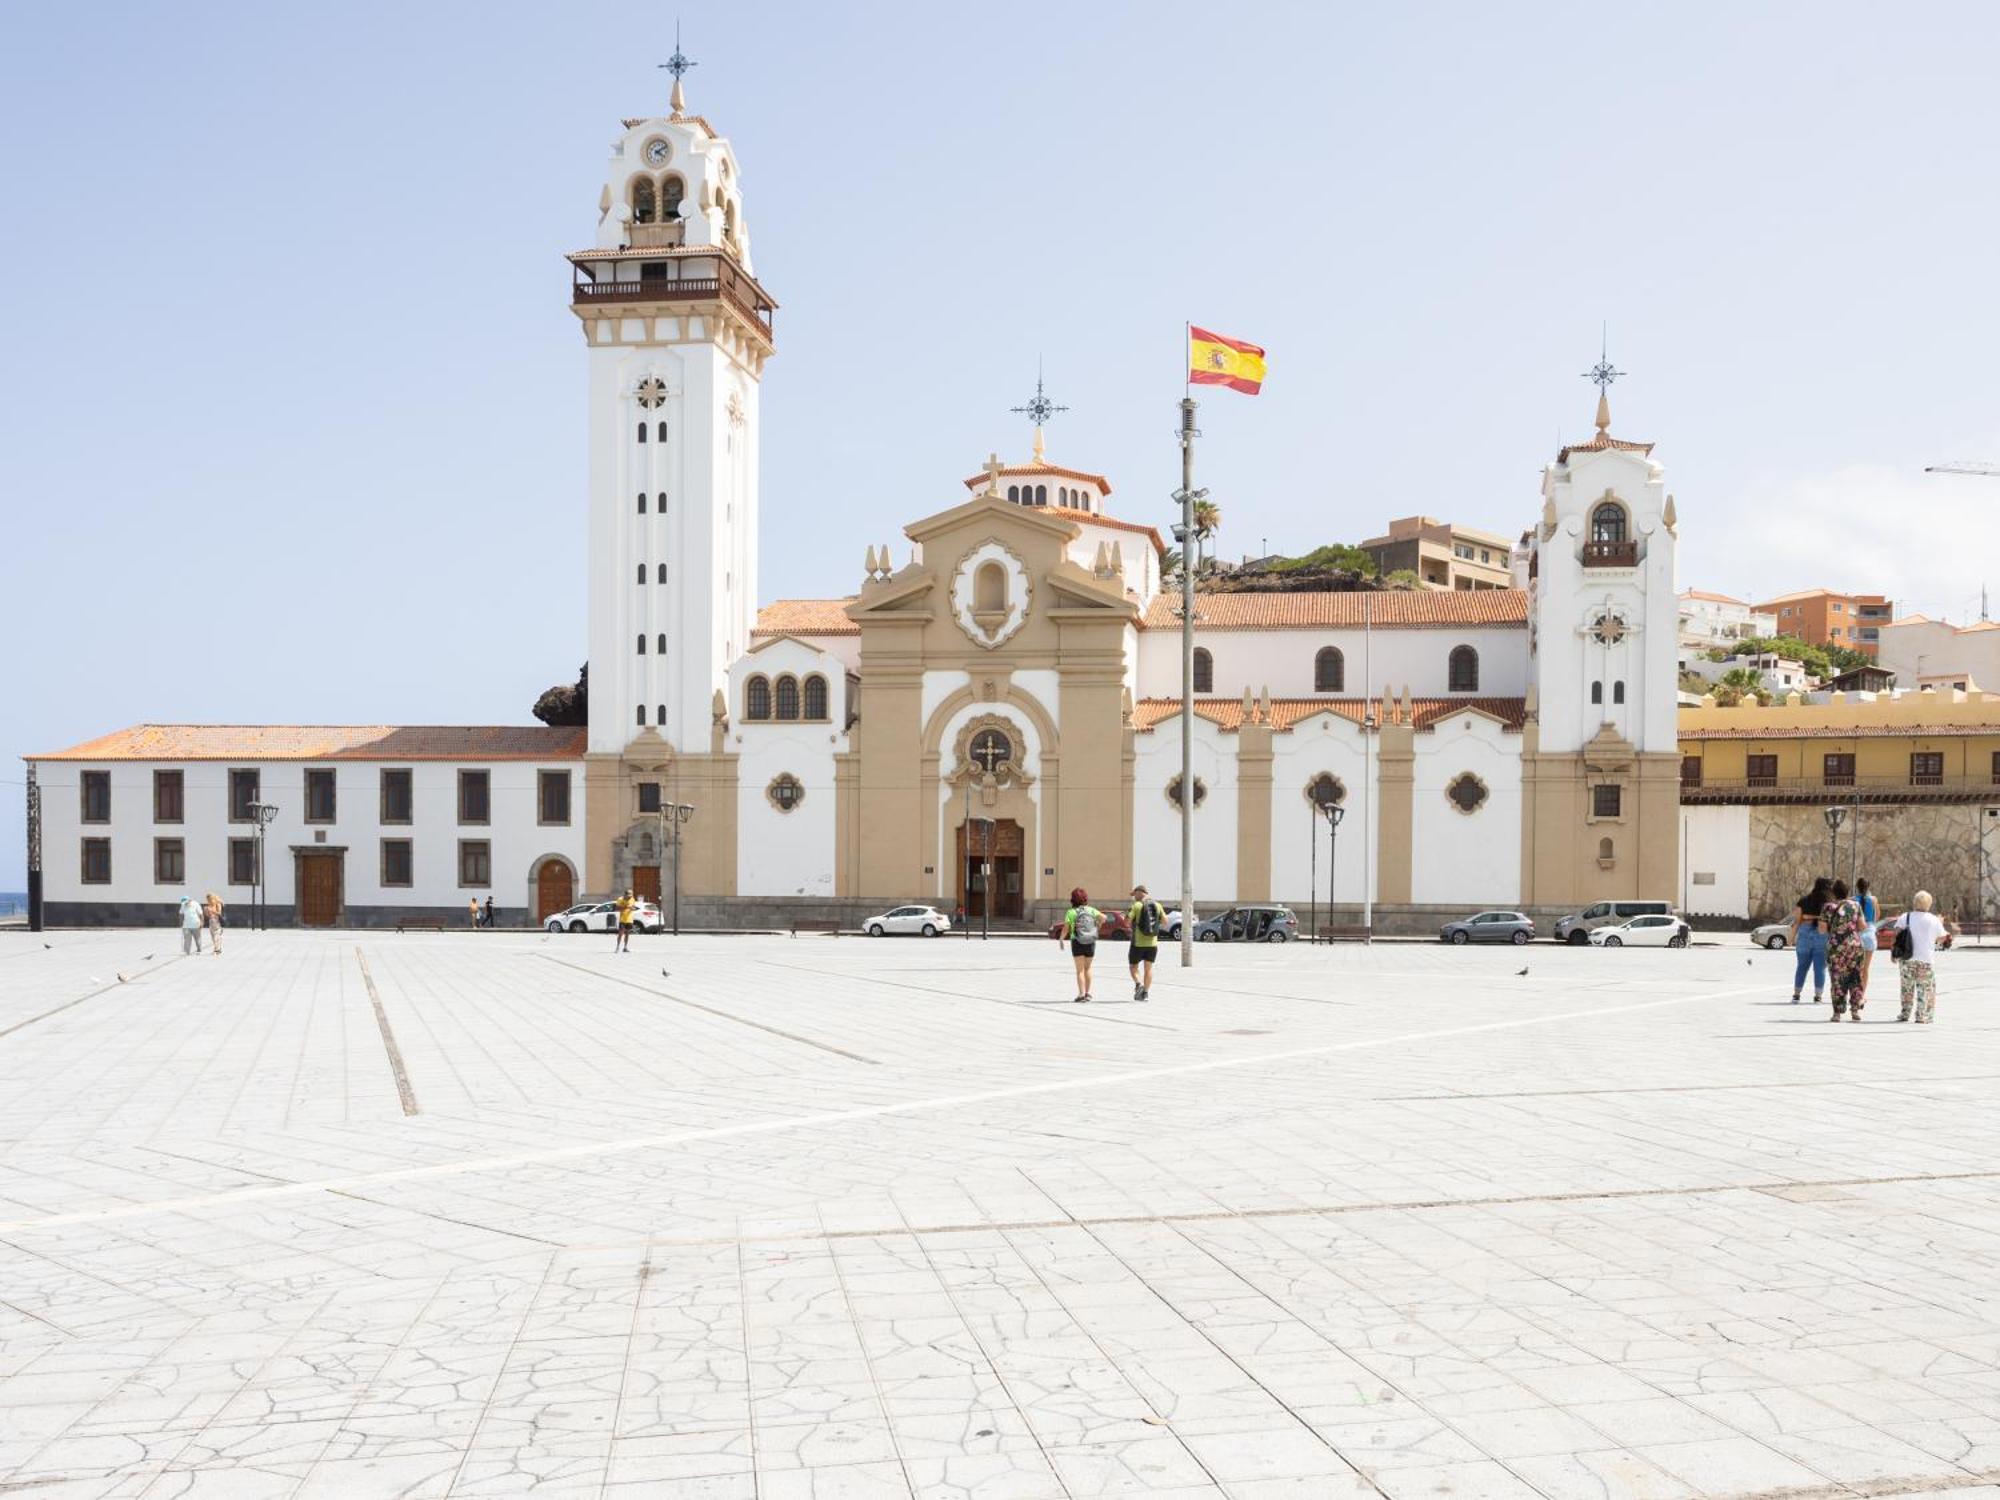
{"x":998,"y":842}
{"x":555,"y":887}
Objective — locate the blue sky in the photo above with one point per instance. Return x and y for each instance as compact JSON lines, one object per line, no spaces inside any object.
{"x":291,"y":414}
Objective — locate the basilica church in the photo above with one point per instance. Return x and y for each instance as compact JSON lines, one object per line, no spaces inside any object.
{"x":982,"y":713}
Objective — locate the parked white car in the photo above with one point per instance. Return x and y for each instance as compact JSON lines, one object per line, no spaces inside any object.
{"x":926,"y":921}
{"x":1642,"y":932}
{"x":1772,"y":935}
{"x":602,"y":916}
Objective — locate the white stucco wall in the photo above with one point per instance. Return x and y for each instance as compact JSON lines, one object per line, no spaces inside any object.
{"x":786,"y":853}
{"x":1283,"y":660}
{"x":1325,"y":742}
{"x":1715,"y":842}
{"x":434,"y":831}
{"x":1469,"y":859}
{"x":1156,"y":833}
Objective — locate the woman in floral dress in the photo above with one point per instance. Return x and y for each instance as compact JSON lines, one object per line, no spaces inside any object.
{"x":1846,"y":959}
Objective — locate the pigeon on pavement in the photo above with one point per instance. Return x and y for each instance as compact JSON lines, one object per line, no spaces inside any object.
{"x":1522,"y":975}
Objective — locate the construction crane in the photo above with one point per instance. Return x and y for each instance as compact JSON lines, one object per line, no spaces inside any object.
{"x":1990,"y":471}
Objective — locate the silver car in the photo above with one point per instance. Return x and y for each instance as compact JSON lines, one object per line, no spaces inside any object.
{"x":1772,"y":935}
{"x":1490,"y":927}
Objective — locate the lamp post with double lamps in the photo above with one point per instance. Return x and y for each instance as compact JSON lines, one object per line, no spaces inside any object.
{"x":264,"y":813}
{"x":680,"y":812}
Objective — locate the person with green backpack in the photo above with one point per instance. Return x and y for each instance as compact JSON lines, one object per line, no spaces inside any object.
{"x":1147,"y":920}
{"x":1079,"y":927}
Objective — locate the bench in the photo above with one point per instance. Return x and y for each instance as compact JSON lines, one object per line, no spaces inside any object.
{"x":1351,"y":934}
{"x":421,"y":926}
{"x":815,"y":924}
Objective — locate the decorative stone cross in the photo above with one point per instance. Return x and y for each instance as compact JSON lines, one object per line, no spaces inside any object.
{"x":993,"y":467}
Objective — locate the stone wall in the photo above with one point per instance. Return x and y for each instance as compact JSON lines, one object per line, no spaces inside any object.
{"x":1932,"y":846}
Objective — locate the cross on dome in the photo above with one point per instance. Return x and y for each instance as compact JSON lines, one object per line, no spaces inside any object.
{"x":678,"y":65}
{"x":1601,"y":375}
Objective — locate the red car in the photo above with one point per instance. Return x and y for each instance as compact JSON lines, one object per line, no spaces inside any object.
{"x":1115,"y":928}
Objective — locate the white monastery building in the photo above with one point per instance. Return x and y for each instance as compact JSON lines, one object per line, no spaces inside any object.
{"x":1002,"y":685}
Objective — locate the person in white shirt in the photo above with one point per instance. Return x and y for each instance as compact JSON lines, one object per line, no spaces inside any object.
{"x":1919,"y":982}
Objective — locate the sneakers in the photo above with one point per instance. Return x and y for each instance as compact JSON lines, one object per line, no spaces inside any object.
{"x":1795,"y":997}
{"x":1079,"y":1000}
{"x":1138,"y":990}
{"x":1144,"y":993}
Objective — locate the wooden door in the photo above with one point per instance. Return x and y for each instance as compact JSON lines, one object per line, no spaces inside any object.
{"x":646,"y":882}
{"x":319,"y":890}
{"x":554,"y":889}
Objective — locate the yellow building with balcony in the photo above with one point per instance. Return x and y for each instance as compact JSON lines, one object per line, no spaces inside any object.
{"x":1904,"y":790}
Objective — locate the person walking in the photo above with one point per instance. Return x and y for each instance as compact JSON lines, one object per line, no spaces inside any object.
{"x":472,"y":912}
{"x":1842,"y":919}
{"x":1079,"y":929}
{"x":190,"y":925}
{"x":1872,"y":914}
{"x":1924,"y":929}
{"x":211,"y":918}
{"x":1810,"y":940}
{"x":1146,"y":920}
{"x":625,"y":908}
{"x":486,"y":918}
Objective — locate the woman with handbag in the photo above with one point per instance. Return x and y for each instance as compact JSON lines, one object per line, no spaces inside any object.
{"x":1919,"y":934}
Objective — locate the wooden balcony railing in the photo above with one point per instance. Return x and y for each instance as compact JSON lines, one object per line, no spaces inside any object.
{"x":729,"y":286}
{"x":1838,"y":787}
{"x":1611,"y":554}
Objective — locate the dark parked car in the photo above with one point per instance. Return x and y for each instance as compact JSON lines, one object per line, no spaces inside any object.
{"x":1249,"y":924}
{"x":1490,"y":927}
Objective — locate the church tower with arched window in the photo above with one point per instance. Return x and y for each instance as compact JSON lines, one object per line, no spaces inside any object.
{"x":1600,"y":765}
{"x":678,"y":330}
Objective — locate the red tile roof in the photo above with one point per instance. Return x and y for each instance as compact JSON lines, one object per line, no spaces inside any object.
{"x":1712,"y":598}
{"x":1042,"y":471}
{"x":1227,"y":713}
{"x":1845,"y":732}
{"x":1390,"y":608}
{"x":806,"y":617}
{"x":329,"y":742}
{"x":1159,"y":542}
{"x":1602,"y":443}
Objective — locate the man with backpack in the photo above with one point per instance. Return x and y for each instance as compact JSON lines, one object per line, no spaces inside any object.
{"x":1079,"y":926}
{"x":1147,"y":920}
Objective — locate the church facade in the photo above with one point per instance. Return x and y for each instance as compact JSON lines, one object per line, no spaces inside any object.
{"x":985,"y":713}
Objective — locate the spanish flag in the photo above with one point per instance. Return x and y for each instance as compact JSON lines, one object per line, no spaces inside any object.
{"x":1215,"y":360}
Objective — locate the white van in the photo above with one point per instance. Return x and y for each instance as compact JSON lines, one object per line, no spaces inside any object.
{"x":1575,"y":929}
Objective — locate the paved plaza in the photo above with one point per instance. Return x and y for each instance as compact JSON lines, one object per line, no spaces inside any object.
{"x":360,"y":1215}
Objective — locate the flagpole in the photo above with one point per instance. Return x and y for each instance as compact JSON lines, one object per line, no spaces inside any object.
{"x":1187,"y":669}
{"x":1367,"y":770}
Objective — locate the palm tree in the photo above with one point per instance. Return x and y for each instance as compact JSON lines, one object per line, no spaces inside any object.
{"x":1207,"y":517}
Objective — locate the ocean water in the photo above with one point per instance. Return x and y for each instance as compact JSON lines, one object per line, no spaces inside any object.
{"x":13,"y":903}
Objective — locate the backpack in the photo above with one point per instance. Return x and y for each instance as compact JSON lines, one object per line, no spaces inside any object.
{"x":1149,"y":919}
{"x":1083,"y":926}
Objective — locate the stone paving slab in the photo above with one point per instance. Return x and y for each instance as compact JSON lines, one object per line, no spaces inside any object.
{"x":775,"y":1217}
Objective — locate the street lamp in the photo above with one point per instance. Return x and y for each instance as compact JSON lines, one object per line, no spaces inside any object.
{"x":1324,"y":792}
{"x":680,"y":812}
{"x":1833,"y":816}
{"x":1333,"y":812}
{"x":260,"y":906}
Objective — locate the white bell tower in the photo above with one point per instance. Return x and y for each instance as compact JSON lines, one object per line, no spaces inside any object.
{"x":678,"y":331}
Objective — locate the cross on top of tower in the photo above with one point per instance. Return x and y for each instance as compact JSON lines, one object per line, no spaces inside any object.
{"x":1039,"y":409}
{"x":1601,"y":375}
{"x":678,"y":65}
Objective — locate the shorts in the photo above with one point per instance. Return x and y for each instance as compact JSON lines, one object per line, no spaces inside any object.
{"x":1082,"y":950}
{"x":1142,"y":953}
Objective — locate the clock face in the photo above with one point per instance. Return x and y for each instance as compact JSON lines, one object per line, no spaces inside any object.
{"x":657,"y":153}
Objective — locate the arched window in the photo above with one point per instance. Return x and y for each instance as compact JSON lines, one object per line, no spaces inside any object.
{"x":641,"y":715}
{"x":1329,"y":671}
{"x":644,"y":205}
{"x":989,"y":589}
{"x":816,"y":697}
{"x":729,"y":223}
{"x":642,"y":643}
{"x":1014,"y":493}
{"x":1204,"y":670}
{"x":642,"y":502}
{"x":1607,"y":522}
{"x":1464,"y":670}
{"x":660,"y":715}
{"x":659,"y":573}
{"x":1618,"y":691}
{"x":642,"y":572}
{"x":788,"y":697}
{"x":642,"y":432}
{"x":663,"y":643}
{"x":1597,"y":692}
{"x":1041,"y":494}
{"x":757,"y":699}
{"x":1604,"y":851}
{"x":672,"y":191}
{"x":661,"y":434}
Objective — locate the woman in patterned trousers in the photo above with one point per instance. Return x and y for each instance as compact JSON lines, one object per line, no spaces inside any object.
{"x":1846,"y":959}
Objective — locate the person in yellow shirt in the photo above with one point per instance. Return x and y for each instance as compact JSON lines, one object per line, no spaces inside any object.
{"x":626,"y":906}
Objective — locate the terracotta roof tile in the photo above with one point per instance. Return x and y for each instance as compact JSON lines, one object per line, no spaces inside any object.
{"x":1227,"y":713}
{"x":1602,"y":443}
{"x":329,"y":742}
{"x":806,"y":617}
{"x":1159,"y":542}
{"x":1843,"y":731}
{"x":1390,"y":609}
{"x":1712,"y":598}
